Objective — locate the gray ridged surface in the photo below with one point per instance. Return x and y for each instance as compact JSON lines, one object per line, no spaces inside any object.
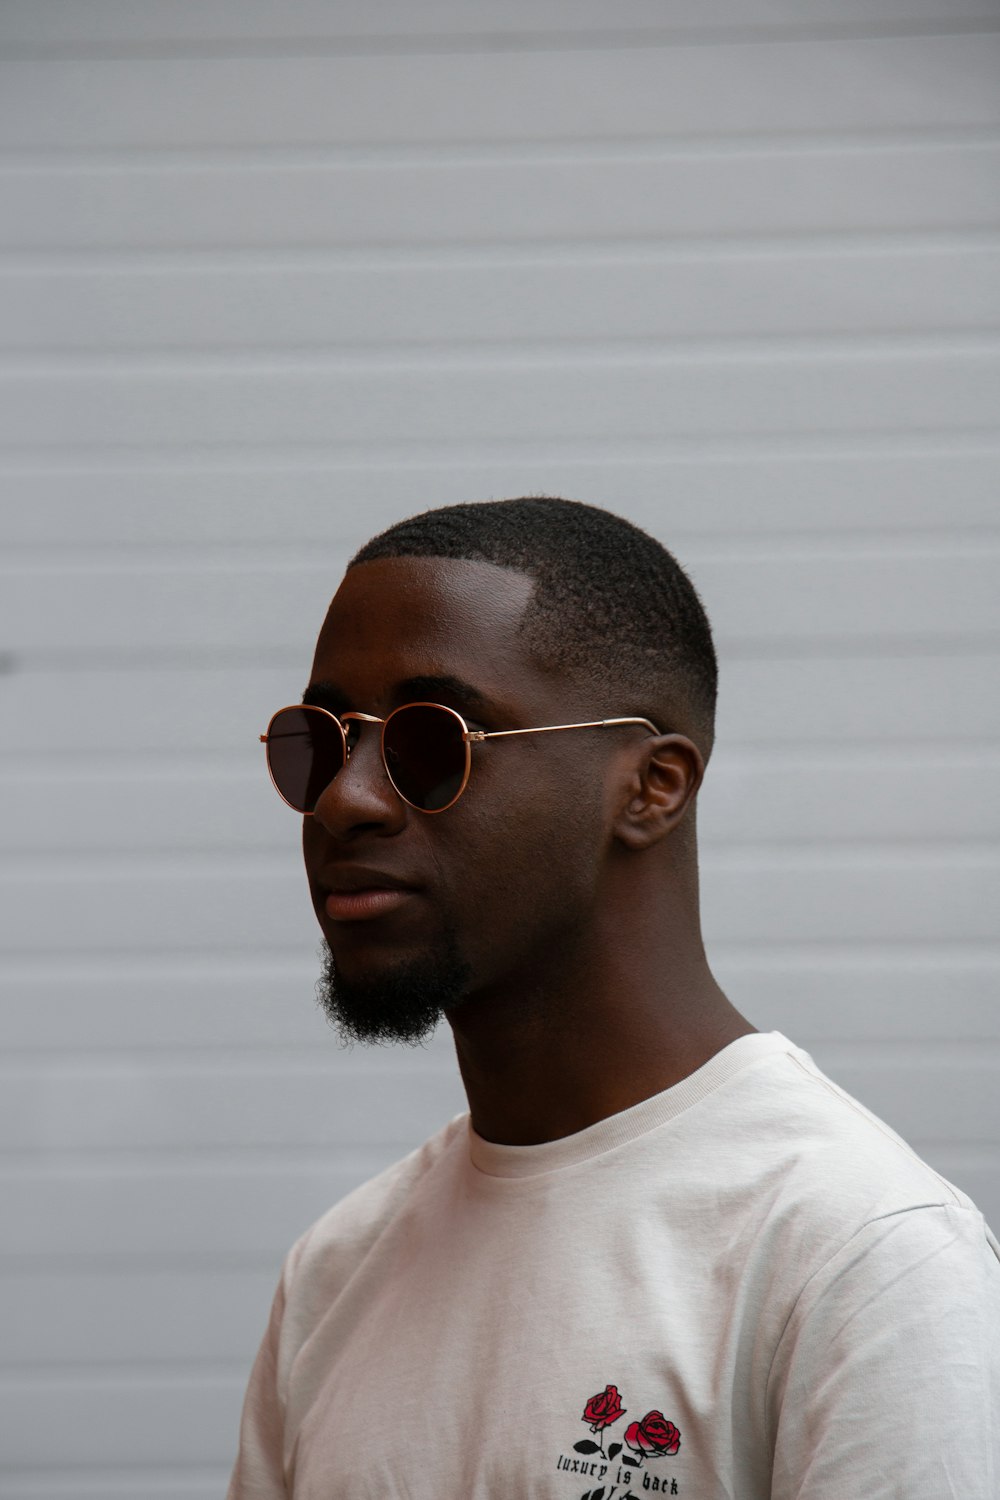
{"x":271,"y":277}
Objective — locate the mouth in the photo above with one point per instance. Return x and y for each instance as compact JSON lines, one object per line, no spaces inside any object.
{"x":361,"y":906}
{"x":353,"y":894}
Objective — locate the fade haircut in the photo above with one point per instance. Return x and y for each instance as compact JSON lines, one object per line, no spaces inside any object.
{"x":611,"y":606}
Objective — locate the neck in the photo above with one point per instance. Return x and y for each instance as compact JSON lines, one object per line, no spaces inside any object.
{"x":554,"y":1054}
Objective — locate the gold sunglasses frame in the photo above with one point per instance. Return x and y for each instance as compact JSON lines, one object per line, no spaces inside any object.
{"x":470,"y":736}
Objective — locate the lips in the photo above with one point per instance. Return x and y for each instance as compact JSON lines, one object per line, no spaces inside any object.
{"x":353,"y":893}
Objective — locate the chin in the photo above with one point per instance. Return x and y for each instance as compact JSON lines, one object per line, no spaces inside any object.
{"x":400,"y":999}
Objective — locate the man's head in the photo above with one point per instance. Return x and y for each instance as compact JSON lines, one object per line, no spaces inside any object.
{"x":611,"y":608}
{"x":515,"y":614}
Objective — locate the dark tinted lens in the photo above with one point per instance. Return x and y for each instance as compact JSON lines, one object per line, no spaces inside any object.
{"x":426,"y":755}
{"x":305,"y":750}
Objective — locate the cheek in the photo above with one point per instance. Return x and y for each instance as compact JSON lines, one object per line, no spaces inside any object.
{"x":532,"y":864}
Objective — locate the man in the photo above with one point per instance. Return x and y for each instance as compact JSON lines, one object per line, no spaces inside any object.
{"x":663,"y":1253}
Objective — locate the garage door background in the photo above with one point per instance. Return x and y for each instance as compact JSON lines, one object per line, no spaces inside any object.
{"x":272,"y":276}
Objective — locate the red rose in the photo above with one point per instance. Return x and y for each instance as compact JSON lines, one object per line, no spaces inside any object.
{"x":603,"y":1409}
{"x":654,"y":1435}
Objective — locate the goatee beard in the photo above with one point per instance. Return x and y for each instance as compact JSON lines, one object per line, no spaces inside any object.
{"x":403,"y":1004}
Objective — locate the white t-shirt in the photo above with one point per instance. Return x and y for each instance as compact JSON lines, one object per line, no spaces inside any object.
{"x":744,"y":1287}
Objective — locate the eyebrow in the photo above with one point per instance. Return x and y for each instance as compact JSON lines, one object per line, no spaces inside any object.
{"x":426,"y":689}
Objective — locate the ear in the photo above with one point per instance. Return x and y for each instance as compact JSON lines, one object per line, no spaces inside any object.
{"x":661,"y":786}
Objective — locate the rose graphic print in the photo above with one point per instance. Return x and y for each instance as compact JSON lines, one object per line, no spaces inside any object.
{"x":653,"y":1436}
{"x":603,"y":1409}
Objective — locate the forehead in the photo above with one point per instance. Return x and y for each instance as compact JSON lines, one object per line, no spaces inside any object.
{"x":398,"y":618}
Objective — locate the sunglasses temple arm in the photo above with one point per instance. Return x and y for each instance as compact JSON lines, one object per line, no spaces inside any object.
{"x":475,"y":736}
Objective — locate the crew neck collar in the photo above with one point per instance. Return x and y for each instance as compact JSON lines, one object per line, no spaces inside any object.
{"x":550,"y":1156}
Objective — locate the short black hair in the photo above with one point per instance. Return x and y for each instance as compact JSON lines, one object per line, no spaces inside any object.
{"x":611,"y":605}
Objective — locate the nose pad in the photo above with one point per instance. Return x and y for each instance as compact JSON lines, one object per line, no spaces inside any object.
{"x":359,"y":730}
{"x":363,"y":749}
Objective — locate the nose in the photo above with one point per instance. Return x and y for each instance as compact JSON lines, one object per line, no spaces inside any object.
{"x":361,"y":797}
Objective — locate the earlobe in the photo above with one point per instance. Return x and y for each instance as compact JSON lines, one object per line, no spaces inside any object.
{"x":660,"y":790}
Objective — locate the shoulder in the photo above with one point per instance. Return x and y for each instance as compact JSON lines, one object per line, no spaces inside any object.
{"x":834,"y":1150}
{"x":324,"y":1258}
{"x":808,"y":1168}
{"x":912,"y":1296}
{"x":875,"y":1274}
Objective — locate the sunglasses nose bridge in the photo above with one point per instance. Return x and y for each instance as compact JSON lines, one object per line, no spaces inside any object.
{"x":353,"y":716}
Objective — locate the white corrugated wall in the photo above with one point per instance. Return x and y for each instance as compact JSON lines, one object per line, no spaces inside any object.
{"x":273,"y":275}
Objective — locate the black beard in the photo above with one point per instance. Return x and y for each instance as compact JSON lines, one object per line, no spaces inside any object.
{"x":404,"y":1004}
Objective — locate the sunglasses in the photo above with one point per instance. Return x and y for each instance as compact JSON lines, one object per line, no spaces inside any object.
{"x":426,"y":751}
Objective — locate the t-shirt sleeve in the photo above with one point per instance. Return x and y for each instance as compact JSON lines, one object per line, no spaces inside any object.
{"x":886,"y":1381}
{"x":259,"y":1470}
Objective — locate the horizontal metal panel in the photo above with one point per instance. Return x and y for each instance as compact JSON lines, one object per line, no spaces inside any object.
{"x":664,"y":195}
{"x":92,"y":1317}
{"x":930,"y":592}
{"x":820,"y":896}
{"x":242,"y":502}
{"x":578,"y":92}
{"x":837,"y":797}
{"x":866,"y":998}
{"x":93,"y":1009}
{"x":148,"y":608}
{"x":797,"y":595}
{"x":135,"y":1419}
{"x":200,"y":1211}
{"x":851,"y":795}
{"x":178,"y":1481}
{"x":131,"y":908}
{"x":198,"y":1106}
{"x":866,"y":699}
{"x":145,"y":709}
{"x":154,"y":1002}
{"x":353,"y":21}
{"x":580,"y":295}
{"x":930,"y":1098}
{"x":834,"y":896}
{"x":488,"y":397}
